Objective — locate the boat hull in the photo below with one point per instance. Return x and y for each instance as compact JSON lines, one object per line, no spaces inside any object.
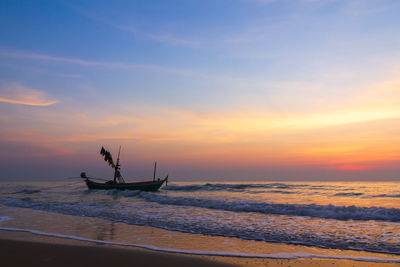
{"x":142,"y":186}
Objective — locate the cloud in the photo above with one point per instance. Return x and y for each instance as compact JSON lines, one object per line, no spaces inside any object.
{"x":262,"y":1}
{"x":360,"y":8}
{"x":173,"y":40}
{"x":74,"y":76}
{"x":166,"y":38}
{"x":17,"y":94}
{"x":94,"y":63}
{"x":43,"y":57}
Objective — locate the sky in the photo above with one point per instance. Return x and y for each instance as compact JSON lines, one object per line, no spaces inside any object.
{"x":227,"y":90}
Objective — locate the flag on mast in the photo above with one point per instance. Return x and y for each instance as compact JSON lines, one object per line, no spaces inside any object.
{"x":107,"y":157}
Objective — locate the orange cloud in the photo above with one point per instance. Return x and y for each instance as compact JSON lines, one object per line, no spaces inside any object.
{"x":17,"y":94}
{"x":347,"y":138}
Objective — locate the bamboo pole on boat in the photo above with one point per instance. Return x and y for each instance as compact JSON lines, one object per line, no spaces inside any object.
{"x":116,"y":173}
{"x":155,"y":167}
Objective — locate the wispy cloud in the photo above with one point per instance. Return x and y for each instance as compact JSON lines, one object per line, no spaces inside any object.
{"x":166,"y":38}
{"x":17,"y":94}
{"x":43,"y":57}
{"x":264,"y":1}
{"x":94,"y":63}
{"x":173,"y":40}
{"x":64,"y":75}
{"x":360,"y":8}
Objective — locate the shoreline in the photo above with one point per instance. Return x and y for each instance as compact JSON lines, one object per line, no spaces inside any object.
{"x":28,"y":249}
{"x":34,"y":253}
{"x":204,"y":253}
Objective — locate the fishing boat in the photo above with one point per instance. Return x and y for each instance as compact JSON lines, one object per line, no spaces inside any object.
{"x":118,"y":182}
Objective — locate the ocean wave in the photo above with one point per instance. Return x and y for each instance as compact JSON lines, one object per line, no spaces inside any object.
{"x":280,"y":229}
{"x":281,"y":192}
{"x":27,"y":191}
{"x":310,"y":210}
{"x":384,"y":196}
{"x":230,"y":187}
{"x":5,"y":218}
{"x":239,"y":187}
{"x":348,"y":194}
{"x":295,"y":255}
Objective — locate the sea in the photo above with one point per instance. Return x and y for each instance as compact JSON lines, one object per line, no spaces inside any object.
{"x":281,"y":220}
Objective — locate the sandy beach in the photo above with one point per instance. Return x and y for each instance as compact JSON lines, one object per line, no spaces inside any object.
{"x":15,"y":251}
{"x":24,"y":249}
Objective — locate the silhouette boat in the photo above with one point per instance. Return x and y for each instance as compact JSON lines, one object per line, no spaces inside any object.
{"x":118,"y":182}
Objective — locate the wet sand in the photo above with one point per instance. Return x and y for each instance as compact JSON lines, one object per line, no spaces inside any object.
{"x":25,"y":249}
{"x":33,"y":253}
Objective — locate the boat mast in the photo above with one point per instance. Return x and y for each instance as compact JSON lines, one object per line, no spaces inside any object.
{"x":155,"y":167}
{"x":117,"y":174}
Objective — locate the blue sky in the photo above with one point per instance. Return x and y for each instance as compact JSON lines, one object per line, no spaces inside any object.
{"x":191,"y":81}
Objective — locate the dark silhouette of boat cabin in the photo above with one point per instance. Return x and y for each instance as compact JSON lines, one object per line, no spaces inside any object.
{"x":118,"y":182}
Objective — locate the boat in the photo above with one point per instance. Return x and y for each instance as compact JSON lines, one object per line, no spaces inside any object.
{"x":118,"y":182}
{"x":142,"y":186}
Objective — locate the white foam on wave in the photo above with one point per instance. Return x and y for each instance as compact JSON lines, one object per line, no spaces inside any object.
{"x":5,"y":218}
{"x":343,"y":213}
{"x":296,"y":255}
{"x":368,"y":236}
